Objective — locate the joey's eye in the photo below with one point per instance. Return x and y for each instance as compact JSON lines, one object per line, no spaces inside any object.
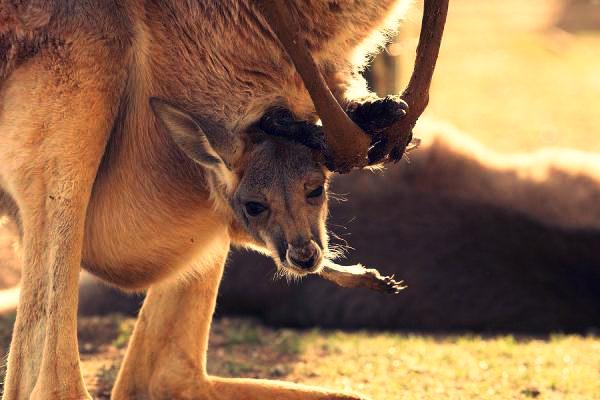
{"x":315,"y":193}
{"x":254,"y":208}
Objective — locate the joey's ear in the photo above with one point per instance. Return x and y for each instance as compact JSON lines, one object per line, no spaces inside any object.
{"x":204,"y":141}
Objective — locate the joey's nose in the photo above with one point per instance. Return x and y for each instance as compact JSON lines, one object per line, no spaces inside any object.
{"x":305,"y":256}
{"x":304,"y":264}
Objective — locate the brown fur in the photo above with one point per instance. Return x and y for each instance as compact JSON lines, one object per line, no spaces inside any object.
{"x":97,"y":182}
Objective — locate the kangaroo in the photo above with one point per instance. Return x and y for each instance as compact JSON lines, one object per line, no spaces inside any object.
{"x":151,"y":194}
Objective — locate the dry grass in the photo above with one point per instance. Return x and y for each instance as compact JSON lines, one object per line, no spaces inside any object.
{"x":512,"y":80}
{"x":384,"y":366}
{"x":398,"y":366}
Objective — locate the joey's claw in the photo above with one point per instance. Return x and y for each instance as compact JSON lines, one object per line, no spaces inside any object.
{"x":389,"y":285}
{"x":386,"y":284}
{"x":395,"y":154}
{"x":374,"y":117}
{"x":393,"y":286}
{"x":376,"y":153}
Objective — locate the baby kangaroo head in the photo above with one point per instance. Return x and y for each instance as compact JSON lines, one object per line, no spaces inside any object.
{"x":274,"y":187}
{"x":281,"y":200}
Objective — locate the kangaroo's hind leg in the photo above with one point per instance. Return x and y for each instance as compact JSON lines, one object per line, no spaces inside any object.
{"x":57,"y":111}
{"x":166,"y":358}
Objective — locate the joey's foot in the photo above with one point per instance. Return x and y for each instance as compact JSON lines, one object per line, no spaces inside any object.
{"x":281,"y":122}
{"x":374,"y":116}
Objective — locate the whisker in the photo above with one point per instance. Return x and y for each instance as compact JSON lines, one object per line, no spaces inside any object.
{"x":340,"y":197}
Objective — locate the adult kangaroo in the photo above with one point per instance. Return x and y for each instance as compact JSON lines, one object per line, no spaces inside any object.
{"x":152,"y":193}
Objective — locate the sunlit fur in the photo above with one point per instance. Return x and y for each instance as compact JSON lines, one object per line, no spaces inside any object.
{"x":93,"y":179}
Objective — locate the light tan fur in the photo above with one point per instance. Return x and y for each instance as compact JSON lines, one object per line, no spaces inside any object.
{"x":93,"y":179}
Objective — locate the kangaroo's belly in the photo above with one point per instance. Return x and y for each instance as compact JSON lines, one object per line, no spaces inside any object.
{"x":140,"y":231}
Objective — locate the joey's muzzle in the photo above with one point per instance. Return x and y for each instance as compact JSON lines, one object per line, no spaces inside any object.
{"x":305,"y":256}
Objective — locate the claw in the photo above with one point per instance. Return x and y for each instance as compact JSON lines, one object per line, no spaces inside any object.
{"x":377,"y":152}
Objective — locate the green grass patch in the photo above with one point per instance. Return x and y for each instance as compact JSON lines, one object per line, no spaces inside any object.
{"x":243,"y":333}
{"x":124,"y":332}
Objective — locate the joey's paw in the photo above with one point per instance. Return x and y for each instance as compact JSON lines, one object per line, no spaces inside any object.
{"x":385,"y":284}
{"x":393,"y":286}
{"x":281,"y":122}
{"x":373,"y":116}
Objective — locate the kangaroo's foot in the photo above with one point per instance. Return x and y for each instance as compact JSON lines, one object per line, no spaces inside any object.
{"x":214,"y":388}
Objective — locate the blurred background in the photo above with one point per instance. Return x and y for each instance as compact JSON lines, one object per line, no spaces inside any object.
{"x":494,"y":224}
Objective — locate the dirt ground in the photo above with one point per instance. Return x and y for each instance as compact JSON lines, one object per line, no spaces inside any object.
{"x":383,"y":365}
